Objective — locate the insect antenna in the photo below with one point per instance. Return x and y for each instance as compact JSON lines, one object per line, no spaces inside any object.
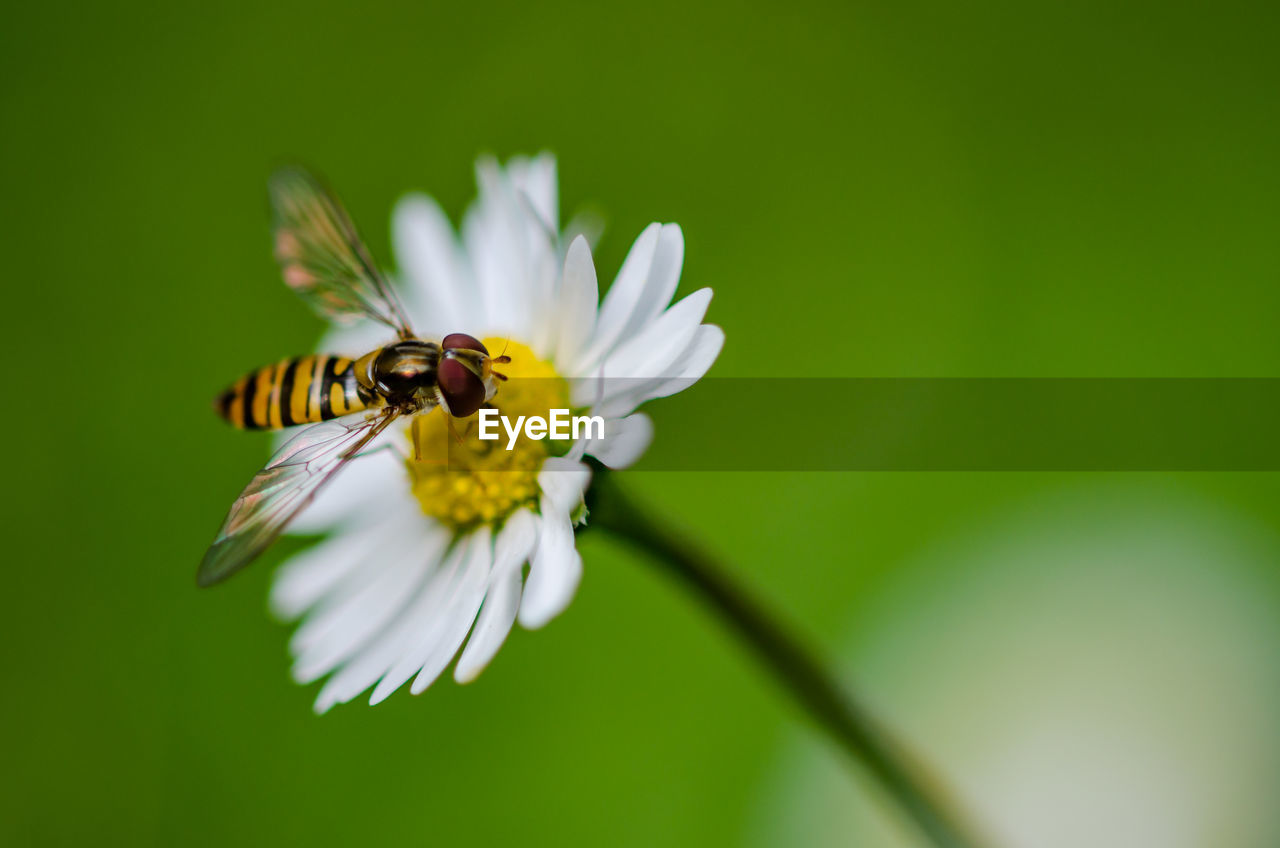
{"x":502,"y":359}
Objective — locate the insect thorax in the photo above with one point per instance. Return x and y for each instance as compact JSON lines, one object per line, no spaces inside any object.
{"x":401,"y":372}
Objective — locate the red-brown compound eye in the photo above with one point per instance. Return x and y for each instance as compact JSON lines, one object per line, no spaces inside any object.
{"x":461,"y":341}
{"x":462,"y":390}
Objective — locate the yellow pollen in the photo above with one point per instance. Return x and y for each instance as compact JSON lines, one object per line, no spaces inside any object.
{"x":481,"y":482}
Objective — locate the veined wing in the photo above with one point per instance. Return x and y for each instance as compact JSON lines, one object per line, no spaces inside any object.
{"x":279,"y":491}
{"x":322,"y":257}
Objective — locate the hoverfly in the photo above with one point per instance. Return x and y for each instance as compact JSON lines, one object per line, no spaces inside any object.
{"x":347,"y":402}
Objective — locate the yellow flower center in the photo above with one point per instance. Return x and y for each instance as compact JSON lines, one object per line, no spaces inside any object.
{"x":464,"y":480}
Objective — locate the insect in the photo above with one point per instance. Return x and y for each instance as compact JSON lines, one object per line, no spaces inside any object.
{"x":347,"y":402}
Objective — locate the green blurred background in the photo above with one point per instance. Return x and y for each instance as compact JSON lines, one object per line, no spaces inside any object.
{"x":923,"y":189}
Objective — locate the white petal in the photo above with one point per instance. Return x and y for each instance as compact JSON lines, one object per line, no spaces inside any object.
{"x":343,"y":627}
{"x":625,"y":441}
{"x":644,"y":289}
{"x":515,"y":543}
{"x":664,"y":275}
{"x":368,"y":485}
{"x":695,"y":362}
{"x":653,"y":351}
{"x":462,"y":614}
{"x":380,"y":655}
{"x":455,"y":610}
{"x":620,"y":301}
{"x":589,"y":392}
{"x":563,"y":483}
{"x":579,"y":295}
{"x":692,"y":365}
{"x":555,"y":571}
{"x":587,"y":224}
{"x":433,"y":268}
{"x":495,"y":232}
{"x":544,"y":320}
{"x":535,"y":179}
{"x":501,"y":602}
{"x":304,"y":579}
{"x":308,"y":577}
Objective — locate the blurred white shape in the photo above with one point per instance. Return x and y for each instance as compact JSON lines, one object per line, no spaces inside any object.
{"x":1101,"y":670}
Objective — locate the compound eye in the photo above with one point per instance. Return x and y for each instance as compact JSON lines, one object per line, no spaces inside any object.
{"x":461,"y":341}
{"x":462,"y":390}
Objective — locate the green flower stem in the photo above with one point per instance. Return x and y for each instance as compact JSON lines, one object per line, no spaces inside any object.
{"x":862,"y":737}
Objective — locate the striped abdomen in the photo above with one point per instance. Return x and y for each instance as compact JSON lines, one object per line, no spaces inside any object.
{"x":301,"y":390}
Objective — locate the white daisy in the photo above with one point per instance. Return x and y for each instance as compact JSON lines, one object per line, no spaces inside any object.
{"x":421,"y":554}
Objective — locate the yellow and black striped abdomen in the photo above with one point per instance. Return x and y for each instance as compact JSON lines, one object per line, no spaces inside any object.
{"x":301,"y":390}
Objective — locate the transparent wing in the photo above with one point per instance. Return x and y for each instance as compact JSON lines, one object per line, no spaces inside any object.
{"x":321,"y":255}
{"x":279,"y":491}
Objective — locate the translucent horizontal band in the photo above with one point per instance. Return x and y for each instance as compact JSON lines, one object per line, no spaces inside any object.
{"x":926,"y":424}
